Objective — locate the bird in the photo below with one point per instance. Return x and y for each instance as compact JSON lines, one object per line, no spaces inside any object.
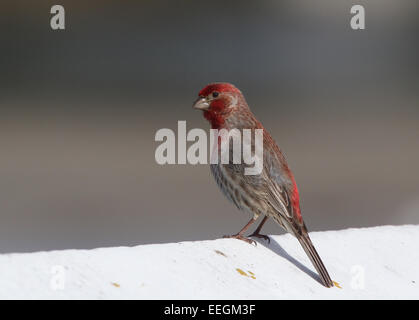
{"x":271,"y":194}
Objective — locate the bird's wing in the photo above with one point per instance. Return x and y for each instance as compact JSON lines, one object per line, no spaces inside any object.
{"x":282,"y":209}
{"x":278,"y":198}
{"x":279,"y":188}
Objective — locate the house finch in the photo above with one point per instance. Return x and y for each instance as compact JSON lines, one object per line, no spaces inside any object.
{"x":273,"y":193}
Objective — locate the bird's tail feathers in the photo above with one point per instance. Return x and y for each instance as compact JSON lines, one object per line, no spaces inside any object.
{"x":315,"y":259}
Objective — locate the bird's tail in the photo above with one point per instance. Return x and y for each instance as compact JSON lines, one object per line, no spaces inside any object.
{"x":315,"y":259}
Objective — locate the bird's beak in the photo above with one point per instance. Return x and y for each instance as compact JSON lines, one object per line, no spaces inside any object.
{"x":201,"y":104}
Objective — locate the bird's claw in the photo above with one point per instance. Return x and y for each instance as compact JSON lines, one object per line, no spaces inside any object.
{"x":241,"y":237}
{"x":261,"y":236}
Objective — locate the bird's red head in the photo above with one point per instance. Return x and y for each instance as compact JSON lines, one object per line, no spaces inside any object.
{"x":218,"y":100}
{"x":218,"y":87}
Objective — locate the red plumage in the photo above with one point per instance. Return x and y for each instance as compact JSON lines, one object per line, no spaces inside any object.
{"x":273,"y":193}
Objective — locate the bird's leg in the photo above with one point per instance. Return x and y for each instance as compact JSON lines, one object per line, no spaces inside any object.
{"x":241,"y":236}
{"x":257,"y":231}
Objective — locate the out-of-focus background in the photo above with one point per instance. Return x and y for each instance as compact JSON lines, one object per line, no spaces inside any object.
{"x":79,"y":109}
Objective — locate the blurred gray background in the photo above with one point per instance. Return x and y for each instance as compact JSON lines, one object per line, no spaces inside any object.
{"x":79,"y":110}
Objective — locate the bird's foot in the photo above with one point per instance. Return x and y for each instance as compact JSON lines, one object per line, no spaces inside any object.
{"x":261,"y":236}
{"x":241,"y":237}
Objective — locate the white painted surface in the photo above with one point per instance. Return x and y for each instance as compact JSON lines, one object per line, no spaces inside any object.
{"x":380,"y":262}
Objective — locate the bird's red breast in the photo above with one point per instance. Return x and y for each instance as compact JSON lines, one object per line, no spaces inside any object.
{"x":215,"y":114}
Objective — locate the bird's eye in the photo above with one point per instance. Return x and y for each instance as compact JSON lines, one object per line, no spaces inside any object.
{"x":215,"y":94}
